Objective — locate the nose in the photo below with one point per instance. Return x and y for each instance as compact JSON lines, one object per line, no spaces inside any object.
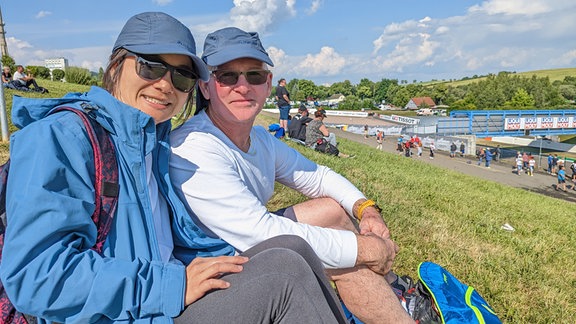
{"x":165,"y":83}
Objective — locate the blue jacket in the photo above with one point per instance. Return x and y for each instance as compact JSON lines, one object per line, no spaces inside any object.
{"x":47,"y":266}
{"x":488,"y":155}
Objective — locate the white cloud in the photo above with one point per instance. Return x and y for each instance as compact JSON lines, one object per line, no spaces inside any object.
{"x":162,"y":2}
{"x":316,"y":4}
{"x":277,"y":56}
{"x":492,"y":36}
{"x":261,"y":15}
{"x":43,"y":14}
{"x":327,"y":62}
{"x":566,"y":59}
{"x":511,"y":7}
{"x":412,"y":49}
{"x":87,"y":57}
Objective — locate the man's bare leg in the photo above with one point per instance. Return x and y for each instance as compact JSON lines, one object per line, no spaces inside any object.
{"x":366,"y":294}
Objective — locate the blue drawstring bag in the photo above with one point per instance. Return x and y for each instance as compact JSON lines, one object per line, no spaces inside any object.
{"x":455,"y":302}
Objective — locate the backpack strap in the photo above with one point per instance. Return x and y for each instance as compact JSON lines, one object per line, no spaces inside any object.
{"x":106,"y":185}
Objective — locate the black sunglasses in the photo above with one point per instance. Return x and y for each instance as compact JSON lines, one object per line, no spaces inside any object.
{"x":230,"y":77}
{"x":182,"y":79}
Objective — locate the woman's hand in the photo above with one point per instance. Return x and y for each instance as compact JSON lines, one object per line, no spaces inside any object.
{"x":203,"y":275}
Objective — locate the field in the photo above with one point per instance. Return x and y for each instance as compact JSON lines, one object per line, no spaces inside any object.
{"x":552,"y":74}
{"x":528,"y":276}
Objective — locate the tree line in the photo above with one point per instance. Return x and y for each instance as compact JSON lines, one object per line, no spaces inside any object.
{"x":504,"y":90}
{"x":72,"y":74}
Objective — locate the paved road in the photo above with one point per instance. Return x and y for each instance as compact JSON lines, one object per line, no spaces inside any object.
{"x":501,"y":172}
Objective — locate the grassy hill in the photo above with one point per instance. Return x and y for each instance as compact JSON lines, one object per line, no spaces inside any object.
{"x":528,"y":276}
{"x":552,"y":74}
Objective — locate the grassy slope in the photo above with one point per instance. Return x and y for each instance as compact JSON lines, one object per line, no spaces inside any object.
{"x":553,"y":74}
{"x":528,"y":276}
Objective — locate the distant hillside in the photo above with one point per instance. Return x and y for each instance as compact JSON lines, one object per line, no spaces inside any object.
{"x":553,"y":74}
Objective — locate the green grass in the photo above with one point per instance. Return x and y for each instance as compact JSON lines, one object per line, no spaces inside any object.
{"x":528,"y":276}
{"x":552,"y":74}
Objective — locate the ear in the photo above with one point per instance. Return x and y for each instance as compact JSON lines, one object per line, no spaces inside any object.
{"x":203,"y":86}
{"x":269,"y":82}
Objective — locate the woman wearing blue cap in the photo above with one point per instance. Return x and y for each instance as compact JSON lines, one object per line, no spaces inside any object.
{"x":48,"y":267}
{"x":227,"y":169}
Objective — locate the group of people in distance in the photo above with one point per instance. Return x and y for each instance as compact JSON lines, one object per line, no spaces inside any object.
{"x":21,"y":80}
{"x":192,"y":240}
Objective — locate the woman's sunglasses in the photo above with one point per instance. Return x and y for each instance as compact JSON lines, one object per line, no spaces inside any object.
{"x":230,"y":77}
{"x":182,"y":79}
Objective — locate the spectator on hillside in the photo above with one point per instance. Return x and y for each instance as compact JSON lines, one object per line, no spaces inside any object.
{"x":316,"y":130}
{"x":297,"y":126}
{"x":27,"y":80}
{"x":6,"y":76}
{"x":283,"y":102}
{"x":133,"y":276}
{"x":550,"y":161}
{"x":226,"y":169}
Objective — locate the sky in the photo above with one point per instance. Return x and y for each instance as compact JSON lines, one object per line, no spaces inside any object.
{"x":325,"y":41}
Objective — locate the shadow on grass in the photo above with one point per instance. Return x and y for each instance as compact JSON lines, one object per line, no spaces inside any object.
{"x":555,"y":192}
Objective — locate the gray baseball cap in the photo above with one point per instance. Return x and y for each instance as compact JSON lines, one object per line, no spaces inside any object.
{"x":227,"y":44}
{"x":154,"y":33}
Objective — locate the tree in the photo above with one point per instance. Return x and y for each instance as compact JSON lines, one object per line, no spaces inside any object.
{"x":521,"y":100}
{"x":346,"y":88}
{"x":8,"y":61}
{"x":381,"y":89}
{"x":58,"y":75}
{"x":568,"y":91}
{"x":306,"y":89}
{"x":40,"y":72}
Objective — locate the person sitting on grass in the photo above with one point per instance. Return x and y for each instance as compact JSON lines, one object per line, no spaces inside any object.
{"x":226,"y":169}
{"x":27,"y":80}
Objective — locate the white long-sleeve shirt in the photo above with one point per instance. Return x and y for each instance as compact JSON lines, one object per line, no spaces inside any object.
{"x":227,"y":189}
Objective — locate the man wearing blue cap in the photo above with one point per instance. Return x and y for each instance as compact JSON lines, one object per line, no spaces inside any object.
{"x":226,"y":170}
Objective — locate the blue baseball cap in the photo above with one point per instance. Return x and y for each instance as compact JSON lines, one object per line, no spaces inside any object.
{"x":154,"y":33}
{"x":227,"y":44}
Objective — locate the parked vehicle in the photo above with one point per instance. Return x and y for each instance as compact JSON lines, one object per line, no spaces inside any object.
{"x":424,"y":112}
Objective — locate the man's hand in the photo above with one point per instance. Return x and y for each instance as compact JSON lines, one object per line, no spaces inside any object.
{"x":376,"y":253}
{"x":202,"y":275}
{"x":372,"y":222}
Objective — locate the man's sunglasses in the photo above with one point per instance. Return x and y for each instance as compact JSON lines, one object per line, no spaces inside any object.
{"x":230,"y":77}
{"x":182,"y":79}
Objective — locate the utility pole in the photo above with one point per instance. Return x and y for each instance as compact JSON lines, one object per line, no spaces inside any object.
{"x":3,"y":44}
{"x":3,"y":113}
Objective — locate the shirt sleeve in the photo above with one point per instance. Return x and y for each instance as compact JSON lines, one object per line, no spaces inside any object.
{"x":211,"y":179}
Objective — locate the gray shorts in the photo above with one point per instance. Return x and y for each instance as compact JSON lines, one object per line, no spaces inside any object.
{"x":287,"y":212}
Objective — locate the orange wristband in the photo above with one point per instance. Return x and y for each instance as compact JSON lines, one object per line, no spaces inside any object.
{"x":364,"y":205}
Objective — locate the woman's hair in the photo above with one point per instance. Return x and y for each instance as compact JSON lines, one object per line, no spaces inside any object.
{"x":111,"y":78}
